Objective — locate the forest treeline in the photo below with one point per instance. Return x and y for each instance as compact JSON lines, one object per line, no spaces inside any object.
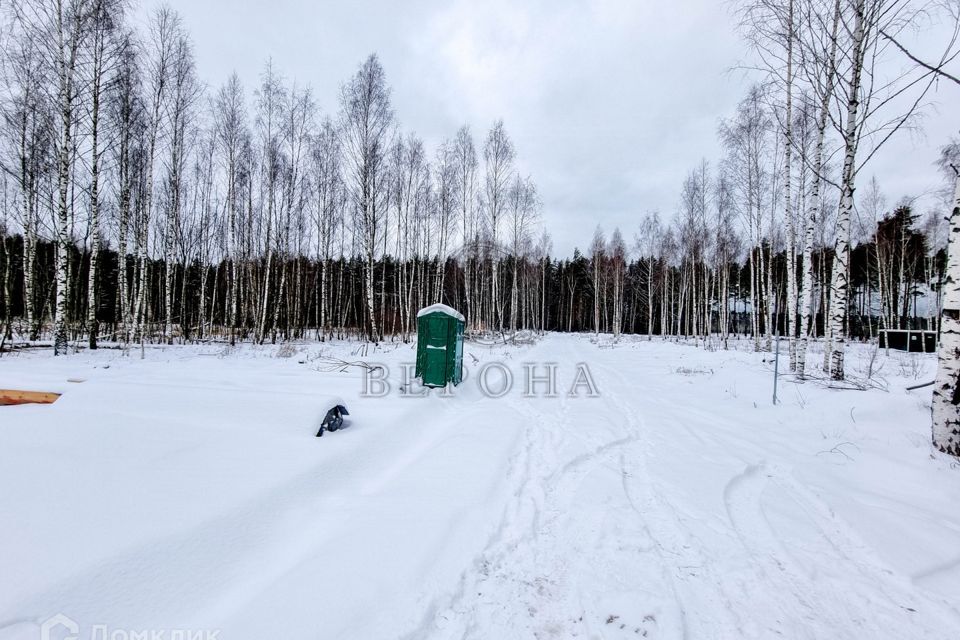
{"x":634,"y":296}
{"x":140,"y":205}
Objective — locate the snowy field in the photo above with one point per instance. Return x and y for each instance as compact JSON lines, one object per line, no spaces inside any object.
{"x":187,"y":492}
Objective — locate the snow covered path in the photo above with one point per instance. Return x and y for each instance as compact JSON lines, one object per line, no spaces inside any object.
{"x":186,"y":491}
{"x":658,"y":513}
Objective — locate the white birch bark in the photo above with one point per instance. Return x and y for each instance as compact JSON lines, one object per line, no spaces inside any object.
{"x":815,"y":203}
{"x":96,"y":85}
{"x":788,"y":205}
{"x":839,"y":280}
{"x":69,"y":33}
{"x":945,"y":407}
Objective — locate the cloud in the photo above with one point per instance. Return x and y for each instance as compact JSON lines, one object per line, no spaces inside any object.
{"x":609,"y":102}
{"x":605,"y":114}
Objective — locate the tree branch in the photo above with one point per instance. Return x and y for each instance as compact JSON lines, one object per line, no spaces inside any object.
{"x":937,"y":70}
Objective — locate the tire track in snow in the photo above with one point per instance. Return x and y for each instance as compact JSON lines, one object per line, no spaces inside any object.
{"x":446,"y":607}
{"x":743,"y":496}
{"x":779,"y":582}
{"x":827,"y":593}
{"x":683,"y":563}
{"x":779,"y":586}
{"x":528,"y":580}
{"x":495,"y":569}
{"x":722,"y":573}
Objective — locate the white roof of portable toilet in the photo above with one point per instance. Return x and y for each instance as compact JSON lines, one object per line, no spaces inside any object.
{"x":442,"y":308}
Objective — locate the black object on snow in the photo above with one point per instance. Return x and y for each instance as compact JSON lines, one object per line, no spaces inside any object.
{"x":333,"y":420}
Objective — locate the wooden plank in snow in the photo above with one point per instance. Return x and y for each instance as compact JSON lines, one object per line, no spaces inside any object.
{"x":16,"y":396}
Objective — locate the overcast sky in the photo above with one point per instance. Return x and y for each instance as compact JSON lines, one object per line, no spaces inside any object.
{"x":609,"y":102}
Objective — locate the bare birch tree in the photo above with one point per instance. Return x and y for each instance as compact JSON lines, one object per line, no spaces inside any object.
{"x":498,"y":158}
{"x":366,"y":123}
{"x":617,"y":251}
{"x":871,"y":114}
{"x":818,"y":56}
{"x":184,"y":93}
{"x":229,"y":118}
{"x":467,"y":194}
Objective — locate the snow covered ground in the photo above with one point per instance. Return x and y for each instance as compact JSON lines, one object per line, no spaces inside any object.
{"x":187,"y":492}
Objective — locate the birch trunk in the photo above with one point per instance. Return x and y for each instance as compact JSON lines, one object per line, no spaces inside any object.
{"x":29,"y":260}
{"x":92,"y":325}
{"x":946,"y":391}
{"x":513,"y":295}
{"x":839,"y":281}
{"x":168,"y":257}
{"x":650,"y":298}
{"x":754,"y":305}
{"x":806,"y":304}
{"x":596,"y":295}
{"x":766,"y":286}
{"x":233,"y":285}
{"x":67,"y":50}
{"x":788,"y":208}
{"x":370,"y":293}
{"x":268,"y":267}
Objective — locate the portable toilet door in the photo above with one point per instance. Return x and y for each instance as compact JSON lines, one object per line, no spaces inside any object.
{"x":439,"y":345}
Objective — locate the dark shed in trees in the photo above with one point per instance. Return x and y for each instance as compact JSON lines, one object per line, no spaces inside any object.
{"x":909,"y":340}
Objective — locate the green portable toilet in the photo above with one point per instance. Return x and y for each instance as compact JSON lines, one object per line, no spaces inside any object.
{"x":439,"y":345}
